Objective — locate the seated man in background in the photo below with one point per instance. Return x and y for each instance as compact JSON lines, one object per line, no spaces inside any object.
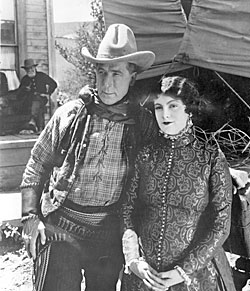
{"x":34,"y":91}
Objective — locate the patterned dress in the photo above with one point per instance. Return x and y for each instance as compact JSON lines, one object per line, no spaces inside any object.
{"x":179,"y":203}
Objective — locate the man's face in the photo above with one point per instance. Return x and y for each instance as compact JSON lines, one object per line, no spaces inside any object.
{"x":113,"y":81}
{"x":31,"y":71}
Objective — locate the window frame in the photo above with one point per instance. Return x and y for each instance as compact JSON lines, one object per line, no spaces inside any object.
{"x":15,"y":44}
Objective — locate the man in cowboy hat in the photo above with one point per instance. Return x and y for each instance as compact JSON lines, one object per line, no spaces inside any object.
{"x":89,"y":146}
{"x":34,"y":91}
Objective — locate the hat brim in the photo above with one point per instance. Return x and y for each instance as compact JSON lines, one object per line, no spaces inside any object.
{"x":143,"y":59}
{"x":29,"y":66}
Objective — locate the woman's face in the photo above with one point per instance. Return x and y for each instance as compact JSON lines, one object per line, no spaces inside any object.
{"x":170,"y":114}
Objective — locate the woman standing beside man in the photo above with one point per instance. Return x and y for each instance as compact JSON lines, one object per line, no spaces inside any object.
{"x":176,"y":213}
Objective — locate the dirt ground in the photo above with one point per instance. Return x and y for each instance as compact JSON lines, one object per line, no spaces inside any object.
{"x":15,"y":267}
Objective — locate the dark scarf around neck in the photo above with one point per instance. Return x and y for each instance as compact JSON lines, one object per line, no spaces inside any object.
{"x":122,"y":111}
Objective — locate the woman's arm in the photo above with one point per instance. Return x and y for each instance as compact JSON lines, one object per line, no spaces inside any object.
{"x":218,"y":218}
{"x":130,"y":238}
{"x":133,"y":262}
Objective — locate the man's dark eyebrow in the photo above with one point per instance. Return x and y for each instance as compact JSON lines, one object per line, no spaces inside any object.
{"x":116,"y":70}
{"x":111,"y":69}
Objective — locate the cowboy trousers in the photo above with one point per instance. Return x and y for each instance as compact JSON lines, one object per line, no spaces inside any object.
{"x":71,"y":248}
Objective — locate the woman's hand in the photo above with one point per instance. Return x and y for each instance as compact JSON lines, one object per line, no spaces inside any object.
{"x":171,"y":278}
{"x":149,"y":276}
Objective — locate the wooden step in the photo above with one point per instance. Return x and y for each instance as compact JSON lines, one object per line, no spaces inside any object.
{"x":10,"y":208}
{"x":14,"y":154}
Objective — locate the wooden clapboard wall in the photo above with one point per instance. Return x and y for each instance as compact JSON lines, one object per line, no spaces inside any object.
{"x":35,"y":34}
{"x":34,"y":40}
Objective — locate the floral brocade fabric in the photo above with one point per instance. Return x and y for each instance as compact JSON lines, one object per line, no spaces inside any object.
{"x":179,"y":202}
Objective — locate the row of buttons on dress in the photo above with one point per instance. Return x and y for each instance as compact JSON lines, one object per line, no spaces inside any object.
{"x":164,"y":212}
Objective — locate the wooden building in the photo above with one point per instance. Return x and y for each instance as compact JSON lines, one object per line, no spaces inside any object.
{"x":27,"y":31}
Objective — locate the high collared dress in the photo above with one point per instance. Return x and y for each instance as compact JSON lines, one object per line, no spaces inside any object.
{"x":178,"y":201}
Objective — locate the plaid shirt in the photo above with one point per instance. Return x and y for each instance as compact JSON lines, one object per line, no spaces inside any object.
{"x":100,"y":178}
{"x":101,"y":175}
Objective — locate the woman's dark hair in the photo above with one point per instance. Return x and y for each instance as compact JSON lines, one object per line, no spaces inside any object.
{"x":181,"y":88}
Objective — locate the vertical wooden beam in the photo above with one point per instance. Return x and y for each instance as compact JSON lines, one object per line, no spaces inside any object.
{"x":21,"y":34}
{"x":51,"y":52}
{"x":51,"y":39}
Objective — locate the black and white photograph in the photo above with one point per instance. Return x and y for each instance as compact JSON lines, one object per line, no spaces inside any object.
{"x":125,"y":145}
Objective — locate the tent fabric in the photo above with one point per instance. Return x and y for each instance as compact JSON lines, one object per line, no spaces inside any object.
{"x":216,"y":36}
{"x":158,"y":25}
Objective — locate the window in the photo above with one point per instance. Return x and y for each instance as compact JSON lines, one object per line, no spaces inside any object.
{"x":9,"y":47}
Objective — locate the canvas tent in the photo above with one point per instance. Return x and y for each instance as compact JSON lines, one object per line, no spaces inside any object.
{"x":214,"y":35}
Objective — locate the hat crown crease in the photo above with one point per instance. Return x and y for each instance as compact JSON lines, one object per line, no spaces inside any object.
{"x":119,"y":45}
{"x":120,"y":41}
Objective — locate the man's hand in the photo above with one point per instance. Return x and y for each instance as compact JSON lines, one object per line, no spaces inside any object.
{"x":44,"y":98}
{"x":32,"y":228}
{"x":149,"y":276}
{"x":27,"y":88}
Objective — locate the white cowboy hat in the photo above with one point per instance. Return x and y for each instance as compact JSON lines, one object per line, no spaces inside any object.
{"x":119,"y":44}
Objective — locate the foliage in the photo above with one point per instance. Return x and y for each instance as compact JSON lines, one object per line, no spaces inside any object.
{"x":69,"y":89}
{"x":234,"y":143}
{"x":10,"y":232}
{"x":83,"y":72}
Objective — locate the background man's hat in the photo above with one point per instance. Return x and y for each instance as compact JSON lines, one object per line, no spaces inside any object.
{"x":29,"y":63}
{"x":119,"y":44}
